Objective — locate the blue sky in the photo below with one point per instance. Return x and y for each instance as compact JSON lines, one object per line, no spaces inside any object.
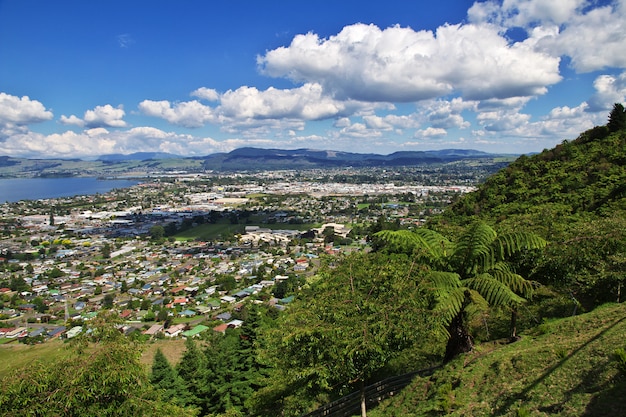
{"x":85,"y":78}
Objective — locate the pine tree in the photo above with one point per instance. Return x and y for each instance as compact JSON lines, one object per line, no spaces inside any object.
{"x":193,"y":369}
{"x":617,"y":118}
{"x":165,"y":377}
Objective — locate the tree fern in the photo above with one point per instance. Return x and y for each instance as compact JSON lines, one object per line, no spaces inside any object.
{"x":511,"y":243}
{"x":495,"y":292}
{"x":473,"y":250}
{"x":471,"y":272}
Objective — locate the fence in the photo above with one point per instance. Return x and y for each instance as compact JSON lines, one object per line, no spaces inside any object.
{"x":375,"y":393}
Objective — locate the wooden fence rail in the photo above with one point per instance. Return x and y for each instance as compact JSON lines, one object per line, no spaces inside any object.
{"x":375,"y":393}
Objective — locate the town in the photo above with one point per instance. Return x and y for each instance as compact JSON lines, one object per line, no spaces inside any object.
{"x":180,"y":254}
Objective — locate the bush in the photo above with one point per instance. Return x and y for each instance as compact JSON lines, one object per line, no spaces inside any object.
{"x":620,"y":358}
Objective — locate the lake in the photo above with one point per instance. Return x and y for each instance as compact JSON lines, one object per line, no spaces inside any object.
{"x":16,"y":189}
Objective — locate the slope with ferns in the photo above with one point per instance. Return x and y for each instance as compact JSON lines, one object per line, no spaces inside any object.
{"x":574,"y":196}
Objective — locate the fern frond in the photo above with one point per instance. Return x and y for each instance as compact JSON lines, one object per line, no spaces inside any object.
{"x":424,"y":243}
{"x":442,"y":282}
{"x":495,"y":292}
{"x":510,"y":243}
{"x":473,"y":249}
{"x":515,"y":282}
{"x":450,"y":303}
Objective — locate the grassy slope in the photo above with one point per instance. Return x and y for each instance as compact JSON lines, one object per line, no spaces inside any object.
{"x":18,"y":355}
{"x":564,"y":368}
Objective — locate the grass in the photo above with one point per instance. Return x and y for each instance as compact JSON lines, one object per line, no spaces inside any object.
{"x":172,"y":349}
{"x":569,"y":368}
{"x":210,"y":231}
{"x":219,"y":230}
{"x":17,"y":355}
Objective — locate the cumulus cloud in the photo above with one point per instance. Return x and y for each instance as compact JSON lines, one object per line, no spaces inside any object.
{"x":431,"y":132}
{"x":187,"y":114}
{"x":500,"y":121}
{"x":98,"y":141}
{"x":250,"y":111}
{"x":17,"y":113}
{"x":605,"y":27}
{"x":399,"y":64}
{"x":445,"y":114}
{"x":391,"y":122}
{"x":307,"y":102}
{"x":593,"y":37}
{"x":523,"y":13}
{"x":100,"y":116}
{"x":609,"y":90}
{"x":206,"y":94}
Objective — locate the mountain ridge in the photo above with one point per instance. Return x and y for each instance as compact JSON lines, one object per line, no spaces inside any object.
{"x":241,"y":159}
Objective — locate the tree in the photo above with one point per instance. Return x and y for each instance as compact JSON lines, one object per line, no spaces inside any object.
{"x":157,"y":232}
{"x":106,"y":251}
{"x":359,"y":315}
{"x":193,"y":370}
{"x":470,"y":273}
{"x":164,"y":377}
{"x":617,"y":118}
{"x":40,"y":305}
{"x":101,"y":375}
{"x":107,"y":301}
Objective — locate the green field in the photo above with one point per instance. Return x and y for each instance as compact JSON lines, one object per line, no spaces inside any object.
{"x":223,"y":229}
{"x":17,"y":355}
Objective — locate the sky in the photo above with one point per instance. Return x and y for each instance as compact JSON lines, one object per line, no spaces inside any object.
{"x":79,"y":79}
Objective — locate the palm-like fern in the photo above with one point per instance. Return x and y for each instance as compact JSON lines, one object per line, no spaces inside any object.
{"x":473,"y":271}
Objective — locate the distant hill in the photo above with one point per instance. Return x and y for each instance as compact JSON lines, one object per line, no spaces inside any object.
{"x":258,"y":159}
{"x":238,"y":160}
{"x":137,"y":156}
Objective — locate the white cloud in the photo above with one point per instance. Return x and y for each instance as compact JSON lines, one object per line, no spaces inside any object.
{"x":21,"y":111}
{"x":431,"y":132}
{"x":609,"y":90}
{"x":307,"y":102}
{"x":187,"y":114}
{"x":604,"y":33}
{"x":447,"y":114}
{"x":99,"y":141}
{"x":206,"y":94}
{"x":593,"y":37}
{"x":501,"y":121}
{"x":392,"y":122}
{"x":359,"y":130}
{"x":523,"y":13}
{"x":398,"y":64}
{"x":100,"y":116}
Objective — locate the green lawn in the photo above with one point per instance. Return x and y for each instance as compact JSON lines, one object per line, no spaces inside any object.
{"x":219,"y":230}
{"x":210,"y":231}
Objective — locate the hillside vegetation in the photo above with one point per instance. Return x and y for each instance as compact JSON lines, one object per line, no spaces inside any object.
{"x":574,"y":196}
{"x":565,"y":367}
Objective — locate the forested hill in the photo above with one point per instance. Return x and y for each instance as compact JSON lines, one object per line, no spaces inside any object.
{"x":583,"y":176}
{"x":574,"y":196}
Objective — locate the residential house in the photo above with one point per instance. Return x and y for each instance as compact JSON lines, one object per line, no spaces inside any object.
{"x":195,"y":331}
{"x":175,"y":330}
